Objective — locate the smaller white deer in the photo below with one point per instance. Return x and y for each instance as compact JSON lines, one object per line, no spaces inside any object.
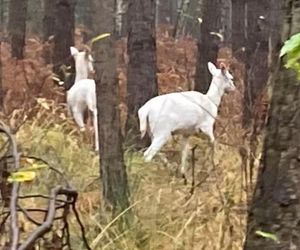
{"x":185,"y":113}
{"x":82,"y":95}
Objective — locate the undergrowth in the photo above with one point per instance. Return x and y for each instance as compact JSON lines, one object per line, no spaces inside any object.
{"x":166,"y":216}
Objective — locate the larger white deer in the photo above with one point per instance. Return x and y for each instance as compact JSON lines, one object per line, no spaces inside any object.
{"x":82,"y":95}
{"x":186,"y":113}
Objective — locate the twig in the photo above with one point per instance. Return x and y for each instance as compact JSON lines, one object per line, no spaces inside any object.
{"x":25,"y":212}
{"x":193,"y":170}
{"x":81,"y":227}
{"x":15,"y":190}
{"x":39,"y":196}
{"x":3,"y":221}
{"x":47,"y":224}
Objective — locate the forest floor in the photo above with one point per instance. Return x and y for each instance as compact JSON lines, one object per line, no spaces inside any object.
{"x":166,"y":215}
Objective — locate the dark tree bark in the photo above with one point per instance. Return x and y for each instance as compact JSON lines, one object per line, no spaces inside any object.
{"x":173,"y":12}
{"x":276,"y":203}
{"x":208,"y":45}
{"x":1,"y":79}
{"x":17,"y":26}
{"x":141,"y":77}
{"x":164,"y":11}
{"x":275,"y":23}
{"x":112,"y":167}
{"x":120,"y":20}
{"x":181,"y":18}
{"x":2,"y":9}
{"x":63,"y":33}
{"x":225,"y":21}
{"x":256,"y":61}
{"x":49,"y":19}
{"x":35,"y":17}
{"x":274,"y":19}
{"x":85,"y":10}
{"x":4,"y":14}
{"x":5,"y":186}
{"x":238,"y":29}
{"x":191,"y":26}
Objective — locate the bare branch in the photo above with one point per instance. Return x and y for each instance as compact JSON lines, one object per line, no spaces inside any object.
{"x":46,"y":226}
{"x":15,"y":190}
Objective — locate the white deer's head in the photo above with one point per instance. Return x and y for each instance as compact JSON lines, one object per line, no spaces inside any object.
{"x":83,"y":63}
{"x":221,"y":77}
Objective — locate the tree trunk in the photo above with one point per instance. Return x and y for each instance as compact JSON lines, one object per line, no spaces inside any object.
{"x":208,"y":45}
{"x":191,"y":25}
{"x":1,"y":79}
{"x":238,"y":29}
{"x":226,"y":22}
{"x":85,"y":10}
{"x":260,"y":109}
{"x":17,"y":27}
{"x":35,"y":17}
{"x":112,"y":167}
{"x":64,"y":32}
{"x":49,"y":19}
{"x":181,"y":18}
{"x":164,"y":11}
{"x":276,"y":203}
{"x":2,"y":9}
{"x":120,"y":24}
{"x":141,"y":78}
{"x":256,"y":56}
{"x":173,"y":12}
{"x":276,"y":17}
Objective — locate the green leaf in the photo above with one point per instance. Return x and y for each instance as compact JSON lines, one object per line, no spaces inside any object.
{"x":291,"y":44}
{"x":102,"y":36}
{"x":267,"y":235}
{"x":22,"y":176}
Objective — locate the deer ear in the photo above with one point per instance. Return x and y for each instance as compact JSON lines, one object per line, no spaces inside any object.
{"x":212,"y":68}
{"x":74,"y":51}
{"x":223,"y":68}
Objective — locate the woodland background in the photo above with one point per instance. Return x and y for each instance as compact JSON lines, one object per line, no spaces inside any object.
{"x":156,"y":47}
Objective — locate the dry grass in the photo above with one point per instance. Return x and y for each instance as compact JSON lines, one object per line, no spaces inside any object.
{"x":166,"y":216}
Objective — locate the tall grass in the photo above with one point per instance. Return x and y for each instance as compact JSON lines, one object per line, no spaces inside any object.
{"x":166,"y":215}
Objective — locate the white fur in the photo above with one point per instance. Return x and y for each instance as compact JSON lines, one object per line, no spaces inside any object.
{"x":83,"y":63}
{"x":183,"y":112}
{"x":82,"y":94}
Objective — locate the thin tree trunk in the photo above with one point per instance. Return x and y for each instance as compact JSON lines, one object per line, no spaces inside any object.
{"x":141,"y":78}
{"x":49,"y":19}
{"x":85,"y":10}
{"x":226,"y":22}
{"x":173,"y":12}
{"x":181,"y":19}
{"x":2,"y":9}
{"x":276,"y":17}
{"x":112,"y":167}
{"x":208,"y":45}
{"x":238,"y":29}
{"x":192,"y":22}
{"x":35,"y":17}
{"x":17,"y":27}
{"x":120,"y":24}
{"x":64,"y":32}
{"x":275,"y":207}
{"x":1,"y":79}
{"x":164,"y":13}
{"x":256,"y":57}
